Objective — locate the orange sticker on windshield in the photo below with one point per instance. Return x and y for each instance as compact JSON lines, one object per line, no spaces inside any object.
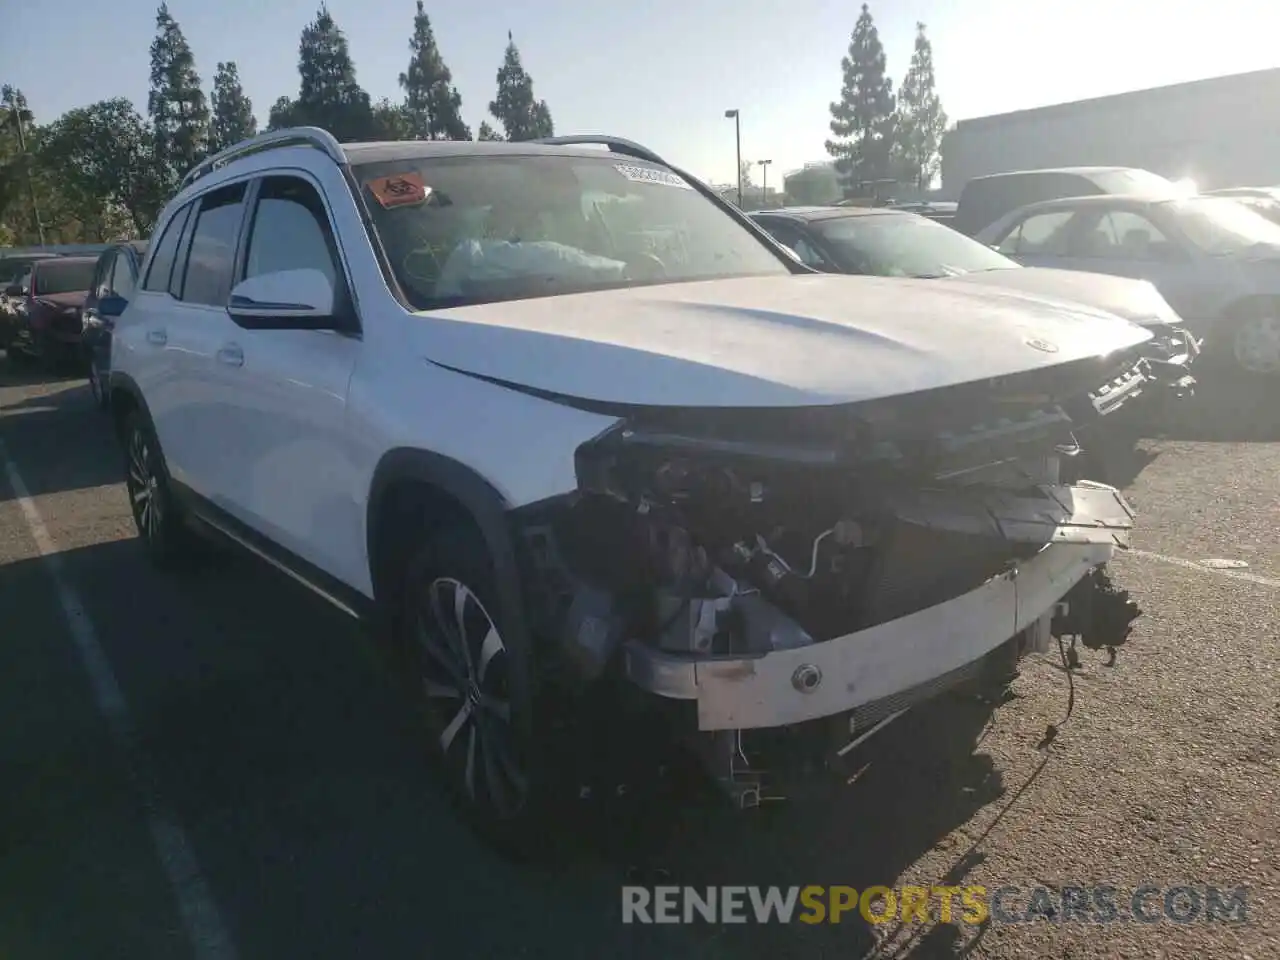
{"x":398,"y":190}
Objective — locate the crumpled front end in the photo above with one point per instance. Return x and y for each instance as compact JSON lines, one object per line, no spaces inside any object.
{"x":769,"y":569}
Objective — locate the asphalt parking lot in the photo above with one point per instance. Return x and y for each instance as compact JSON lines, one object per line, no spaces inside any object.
{"x":254,"y":784}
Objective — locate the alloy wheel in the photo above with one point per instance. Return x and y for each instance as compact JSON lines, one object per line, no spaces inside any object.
{"x":143,"y":484}
{"x":1256,"y":344}
{"x":465,"y":680}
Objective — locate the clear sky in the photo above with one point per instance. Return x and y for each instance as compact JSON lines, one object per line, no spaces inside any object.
{"x":662,"y":72}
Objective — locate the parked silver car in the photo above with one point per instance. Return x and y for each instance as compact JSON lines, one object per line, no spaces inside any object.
{"x":1214,"y":260}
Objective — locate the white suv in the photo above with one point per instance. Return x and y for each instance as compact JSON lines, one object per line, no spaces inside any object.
{"x":562,"y":418}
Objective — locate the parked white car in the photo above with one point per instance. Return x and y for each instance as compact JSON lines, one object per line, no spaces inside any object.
{"x":443,"y":386}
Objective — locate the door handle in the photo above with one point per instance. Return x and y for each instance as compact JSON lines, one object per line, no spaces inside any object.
{"x":157,"y":337}
{"x":231,"y":355}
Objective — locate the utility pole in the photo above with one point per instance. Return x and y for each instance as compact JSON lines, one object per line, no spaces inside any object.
{"x":18,"y":117}
{"x":737,"y":134}
{"x":764,"y":181}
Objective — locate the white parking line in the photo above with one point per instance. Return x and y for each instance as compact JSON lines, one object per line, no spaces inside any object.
{"x":200,"y":914}
{"x":1215,"y":571}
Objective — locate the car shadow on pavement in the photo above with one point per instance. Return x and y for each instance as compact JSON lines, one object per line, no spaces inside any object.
{"x":281,"y":745}
{"x":65,"y":442}
{"x":24,"y":372}
{"x":1228,"y":407}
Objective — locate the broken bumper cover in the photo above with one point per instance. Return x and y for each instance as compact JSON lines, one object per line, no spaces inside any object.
{"x":825,"y":679}
{"x":791,"y":686}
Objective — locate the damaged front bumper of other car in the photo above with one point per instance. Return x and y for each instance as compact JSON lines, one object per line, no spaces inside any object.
{"x":822,"y":569}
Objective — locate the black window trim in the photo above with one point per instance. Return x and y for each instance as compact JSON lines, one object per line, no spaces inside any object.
{"x":179,"y":219}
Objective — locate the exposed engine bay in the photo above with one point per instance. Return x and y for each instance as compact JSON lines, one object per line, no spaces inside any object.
{"x":728,"y":549}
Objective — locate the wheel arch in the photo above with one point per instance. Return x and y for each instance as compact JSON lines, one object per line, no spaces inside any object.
{"x":415,"y":491}
{"x":125,"y":397}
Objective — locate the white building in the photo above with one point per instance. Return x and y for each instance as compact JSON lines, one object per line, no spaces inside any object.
{"x":1219,"y":133}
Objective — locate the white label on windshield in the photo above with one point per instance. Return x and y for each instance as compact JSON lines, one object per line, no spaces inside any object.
{"x":649,"y":175}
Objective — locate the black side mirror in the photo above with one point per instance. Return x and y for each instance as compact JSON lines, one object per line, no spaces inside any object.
{"x":112,"y":306}
{"x":14,"y":290}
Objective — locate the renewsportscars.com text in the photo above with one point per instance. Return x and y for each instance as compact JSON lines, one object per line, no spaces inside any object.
{"x":970,"y":905}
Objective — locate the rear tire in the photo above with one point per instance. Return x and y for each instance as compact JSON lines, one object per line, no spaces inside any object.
{"x":169,"y":542}
{"x":473,"y":682}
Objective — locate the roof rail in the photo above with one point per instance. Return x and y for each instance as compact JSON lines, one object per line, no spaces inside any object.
{"x":322,"y":140}
{"x":617,"y":144}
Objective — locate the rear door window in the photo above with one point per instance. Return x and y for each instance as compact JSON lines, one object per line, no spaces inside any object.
{"x":161,"y":267}
{"x":1041,"y":234}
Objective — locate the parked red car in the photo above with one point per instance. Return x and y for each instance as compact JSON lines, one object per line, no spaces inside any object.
{"x":48,"y":323}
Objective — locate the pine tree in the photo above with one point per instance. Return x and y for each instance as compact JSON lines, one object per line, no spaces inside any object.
{"x":329,"y":96}
{"x":863,"y":119}
{"x":281,"y":114}
{"x":921,"y":121}
{"x":391,"y":121}
{"x":522,"y":117}
{"x":432,"y":103}
{"x":233,"y":118}
{"x":176,"y":104}
{"x":487,"y":132}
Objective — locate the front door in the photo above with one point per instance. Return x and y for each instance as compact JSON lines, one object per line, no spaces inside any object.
{"x":283,"y":394}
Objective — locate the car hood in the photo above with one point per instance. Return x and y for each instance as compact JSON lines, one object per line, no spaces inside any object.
{"x":766,"y":341}
{"x":1135,"y":300}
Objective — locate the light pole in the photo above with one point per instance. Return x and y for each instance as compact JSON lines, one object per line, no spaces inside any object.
{"x":764,"y":181}
{"x":737,"y":135}
{"x":18,"y":117}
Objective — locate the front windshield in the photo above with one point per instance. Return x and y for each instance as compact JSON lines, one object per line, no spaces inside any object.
{"x":64,"y":276}
{"x":905,"y":245}
{"x":1222,"y":227}
{"x":503,"y":227}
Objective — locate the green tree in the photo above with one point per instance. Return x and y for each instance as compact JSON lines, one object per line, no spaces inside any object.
{"x":176,"y":105}
{"x":29,"y":195}
{"x":816,"y":186}
{"x":392,"y":121}
{"x":233,"y":118}
{"x":102,"y":158}
{"x":862,"y":120}
{"x":433,"y":104}
{"x":281,"y":114}
{"x":522,"y":117}
{"x":921,"y":121}
{"x":328,"y":94}
{"x":487,"y":132}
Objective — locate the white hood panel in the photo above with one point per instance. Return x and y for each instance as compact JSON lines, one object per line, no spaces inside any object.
{"x":766,"y":341}
{"x":1135,"y":300}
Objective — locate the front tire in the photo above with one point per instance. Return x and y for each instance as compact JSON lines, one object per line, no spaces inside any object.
{"x":473,"y":682}
{"x":169,"y":542}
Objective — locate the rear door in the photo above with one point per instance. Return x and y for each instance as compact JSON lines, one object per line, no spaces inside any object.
{"x":198,"y":327}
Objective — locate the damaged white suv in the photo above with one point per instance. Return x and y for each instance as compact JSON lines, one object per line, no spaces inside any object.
{"x":562,"y":418}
